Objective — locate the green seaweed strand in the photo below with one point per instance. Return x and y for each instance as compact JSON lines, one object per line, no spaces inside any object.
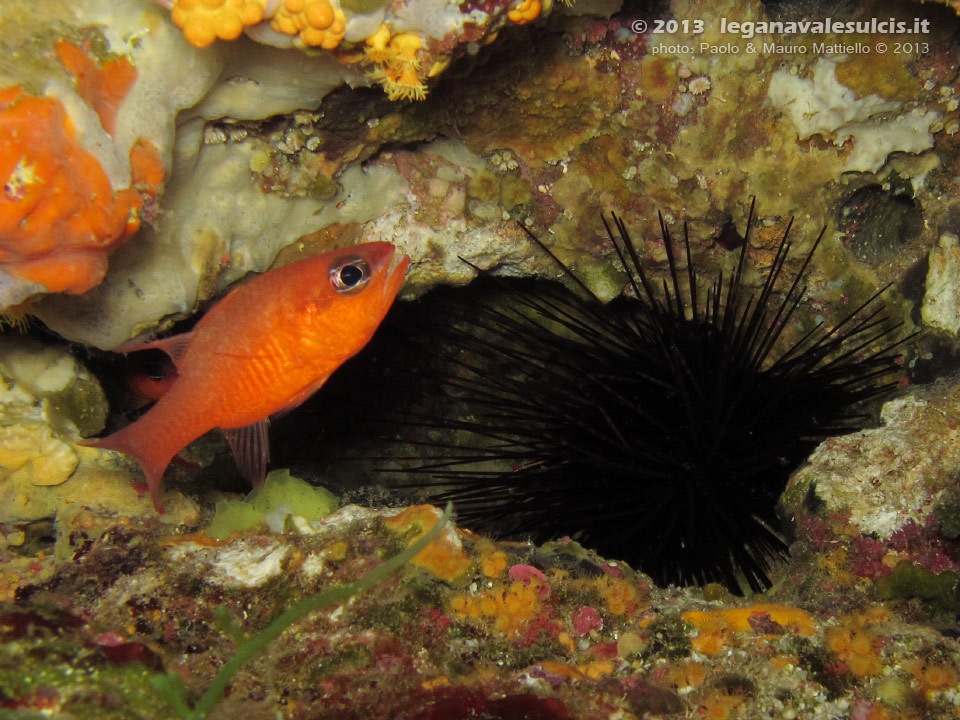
{"x":171,"y":686}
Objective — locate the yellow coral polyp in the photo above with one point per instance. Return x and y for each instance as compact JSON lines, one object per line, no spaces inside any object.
{"x":318,"y":23}
{"x":377,"y":45}
{"x":400,"y":84}
{"x":203,"y":21}
{"x":526,"y":11}
{"x":397,"y":64}
{"x":404,"y":48}
{"x":517,"y":605}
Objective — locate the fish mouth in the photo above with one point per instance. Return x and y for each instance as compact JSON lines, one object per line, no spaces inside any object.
{"x":397,"y":272}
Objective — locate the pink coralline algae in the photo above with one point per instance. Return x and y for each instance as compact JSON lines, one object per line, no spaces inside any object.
{"x":527,"y":574}
{"x":586,"y":619}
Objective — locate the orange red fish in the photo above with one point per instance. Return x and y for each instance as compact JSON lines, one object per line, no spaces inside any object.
{"x":263,"y":349}
{"x":147,"y":377}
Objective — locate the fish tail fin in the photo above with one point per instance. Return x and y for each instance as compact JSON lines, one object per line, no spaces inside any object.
{"x":152,"y":457}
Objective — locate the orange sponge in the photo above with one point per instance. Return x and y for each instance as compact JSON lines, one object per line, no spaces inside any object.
{"x":58,"y":213}
{"x":445,"y":556}
{"x":103,"y":87}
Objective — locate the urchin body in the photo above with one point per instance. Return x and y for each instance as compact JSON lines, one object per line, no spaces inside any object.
{"x":659,"y":428}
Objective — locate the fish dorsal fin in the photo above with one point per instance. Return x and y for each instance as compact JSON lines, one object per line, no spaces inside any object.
{"x":174,"y":346}
{"x":251,"y":450}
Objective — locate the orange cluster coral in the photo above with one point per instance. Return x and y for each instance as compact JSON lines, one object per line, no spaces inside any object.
{"x":445,"y":556}
{"x":315,"y":23}
{"x":58,"y":213}
{"x":318,"y":23}
{"x":716,"y":629}
{"x":203,"y":21}
{"x":508,"y":608}
{"x":397,"y":64}
{"x":492,"y":562}
{"x":526,"y":11}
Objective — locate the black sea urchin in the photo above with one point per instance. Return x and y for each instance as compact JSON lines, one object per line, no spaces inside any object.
{"x":659,"y":428}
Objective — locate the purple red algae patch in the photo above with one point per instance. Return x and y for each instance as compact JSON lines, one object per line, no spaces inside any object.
{"x":511,"y":630}
{"x":878,"y":509}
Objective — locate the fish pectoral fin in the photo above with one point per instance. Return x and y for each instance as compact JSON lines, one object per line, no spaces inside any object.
{"x":298,"y":398}
{"x":174,"y":346}
{"x":251,"y":450}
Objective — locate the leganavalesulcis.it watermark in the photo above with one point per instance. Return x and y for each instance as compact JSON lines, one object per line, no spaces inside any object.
{"x":748,"y":29}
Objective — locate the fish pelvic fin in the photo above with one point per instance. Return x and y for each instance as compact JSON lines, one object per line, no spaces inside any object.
{"x":251,"y":450}
{"x":151,"y":458}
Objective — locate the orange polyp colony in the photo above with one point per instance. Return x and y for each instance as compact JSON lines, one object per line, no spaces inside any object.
{"x":621,"y":596}
{"x":687,"y":674}
{"x":739,"y":618}
{"x":932,"y":677}
{"x":939,"y":677}
{"x":716,"y":628}
{"x":493,"y":562}
{"x":856,"y":645}
{"x":507,"y":608}
{"x":718,"y":705}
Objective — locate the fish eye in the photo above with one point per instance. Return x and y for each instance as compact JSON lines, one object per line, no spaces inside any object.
{"x":349,"y":274}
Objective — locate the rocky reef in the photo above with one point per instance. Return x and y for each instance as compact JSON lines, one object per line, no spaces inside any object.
{"x":154,"y":154}
{"x":472,"y":628}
